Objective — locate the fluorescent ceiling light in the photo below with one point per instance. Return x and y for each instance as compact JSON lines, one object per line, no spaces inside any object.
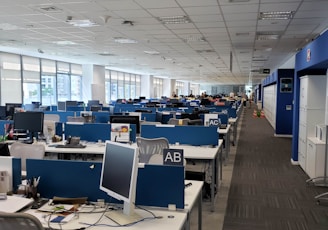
{"x":194,"y":39}
{"x":64,"y":43}
{"x":151,"y":52}
{"x":125,"y":40}
{"x":239,"y":1}
{"x":174,"y":19}
{"x":7,"y":26}
{"x":81,"y":23}
{"x":282,"y":15}
{"x":267,"y":36}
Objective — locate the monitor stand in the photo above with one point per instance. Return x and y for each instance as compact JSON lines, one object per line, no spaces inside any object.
{"x":122,"y":219}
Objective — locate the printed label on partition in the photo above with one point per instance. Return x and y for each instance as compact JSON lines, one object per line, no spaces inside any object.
{"x":173,"y":156}
{"x":214,"y":122}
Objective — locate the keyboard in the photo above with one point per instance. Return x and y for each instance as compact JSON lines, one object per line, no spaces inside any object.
{"x":79,"y":146}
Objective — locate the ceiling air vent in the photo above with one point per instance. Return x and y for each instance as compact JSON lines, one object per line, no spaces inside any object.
{"x":50,"y":9}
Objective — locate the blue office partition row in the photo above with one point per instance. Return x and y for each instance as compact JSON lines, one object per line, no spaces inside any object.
{"x":17,"y":173}
{"x":94,"y":131}
{"x":63,"y":115}
{"x":3,"y":123}
{"x":157,"y":185}
{"x":189,"y":135}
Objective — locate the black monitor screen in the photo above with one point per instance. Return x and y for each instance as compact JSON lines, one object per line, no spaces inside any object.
{"x":71,"y":103}
{"x":118,"y":169}
{"x":205,"y":101}
{"x":10,"y":108}
{"x":3,"y":114}
{"x":61,"y":106}
{"x":95,"y":108}
{"x":126,"y":119}
{"x":93,"y":102}
{"x":29,"y":121}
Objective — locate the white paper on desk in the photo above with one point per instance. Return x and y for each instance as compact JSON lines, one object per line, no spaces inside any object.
{"x":55,"y":208}
{"x":44,"y":217}
{"x":14,"y":204}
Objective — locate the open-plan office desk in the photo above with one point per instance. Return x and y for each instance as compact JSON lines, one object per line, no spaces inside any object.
{"x":213,"y":155}
{"x":95,"y":219}
{"x":233,"y":122}
{"x":226,"y":136}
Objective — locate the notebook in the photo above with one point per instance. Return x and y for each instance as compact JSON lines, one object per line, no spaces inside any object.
{"x":14,"y":204}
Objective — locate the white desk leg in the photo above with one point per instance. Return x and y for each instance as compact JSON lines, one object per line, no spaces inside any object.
{"x":200,"y":210}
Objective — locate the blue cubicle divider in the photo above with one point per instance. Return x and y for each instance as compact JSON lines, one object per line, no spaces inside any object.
{"x":190,"y":135}
{"x":63,"y":115}
{"x":94,"y":131}
{"x":101,"y":117}
{"x":17,"y":173}
{"x":157,"y":185}
{"x":2,"y":125}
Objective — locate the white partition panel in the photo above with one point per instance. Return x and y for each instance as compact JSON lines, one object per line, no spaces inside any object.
{"x":270,"y":103}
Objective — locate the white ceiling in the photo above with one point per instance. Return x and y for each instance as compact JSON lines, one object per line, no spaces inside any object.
{"x":227,"y":27}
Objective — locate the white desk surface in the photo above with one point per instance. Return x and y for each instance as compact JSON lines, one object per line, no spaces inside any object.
{"x":233,"y":120}
{"x":191,"y":152}
{"x":192,"y":192}
{"x":170,"y":220}
{"x":93,"y":148}
{"x":224,"y":131}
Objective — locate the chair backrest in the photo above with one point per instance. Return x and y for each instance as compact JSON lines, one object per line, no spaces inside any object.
{"x":19,"y":220}
{"x":175,"y":121}
{"x":150,"y":146}
{"x":24,"y":151}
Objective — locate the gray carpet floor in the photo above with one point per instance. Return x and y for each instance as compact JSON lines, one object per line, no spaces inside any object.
{"x":267,"y":192}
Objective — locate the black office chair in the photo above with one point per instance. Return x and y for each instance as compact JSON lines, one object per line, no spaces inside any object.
{"x":4,"y":149}
{"x":19,"y":220}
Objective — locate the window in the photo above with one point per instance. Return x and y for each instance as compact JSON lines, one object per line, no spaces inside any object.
{"x":113,"y":85}
{"x":48,"y":82}
{"x":31,"y":79}
{"x":63,"y":81}
{"x":179,"y":85}
{"x":76,"y":82}
{"x":11,"y":81}
{"x":120,"y":92}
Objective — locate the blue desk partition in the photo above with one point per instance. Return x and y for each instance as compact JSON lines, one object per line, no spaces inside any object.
{"x":94,"y":131}
{"x":101,"y":117}
{"x":157,"y":185}
{"x":190,"y":135}
{"x":17,"y":173}
{"x":63,"y":115}
{"x":2,"y":125}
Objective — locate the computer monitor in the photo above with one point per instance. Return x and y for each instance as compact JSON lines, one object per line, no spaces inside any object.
{"x":61,"y":106}
{"x":126,"y":119}
{"x":3,"y":114}
{"x":93,"y":102}
{"x":31,"y":122}
{"x":10,"y":108}
{"x":119,"y":179}
{"x":95,"y":108}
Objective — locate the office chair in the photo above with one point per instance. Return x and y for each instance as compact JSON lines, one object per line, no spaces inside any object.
{"x":25,"y":151}
{"x":19,"y":220}
{"x":151,"y":146}
{"x":175,"y":121}
{"x":4,"y":149}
